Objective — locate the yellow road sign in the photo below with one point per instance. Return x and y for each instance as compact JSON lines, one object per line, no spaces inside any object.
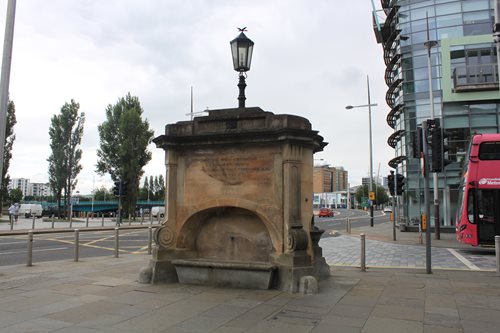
{"x":371,"y":196}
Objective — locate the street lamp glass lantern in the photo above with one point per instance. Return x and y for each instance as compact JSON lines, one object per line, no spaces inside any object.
{"x":241,"y":49}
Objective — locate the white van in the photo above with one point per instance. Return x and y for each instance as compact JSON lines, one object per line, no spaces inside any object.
{"x":28,"y":210}
{"x":158,"y":210}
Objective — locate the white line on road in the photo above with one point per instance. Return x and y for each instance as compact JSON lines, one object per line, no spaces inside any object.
{"x":464,"y":260}
{"x":42,"y":250}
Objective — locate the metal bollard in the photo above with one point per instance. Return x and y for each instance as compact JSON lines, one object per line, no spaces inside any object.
{"x":117,"y":241}
{"x":53,"y":221}
{"x":87,"y":222}
{"x":150,"y":238}
{"x":129,"y":219}
{"x":33,"y":224}
{"x":102,"y":223}
{"x":11,"y":222}
{"x":363,"y":253}
{"x":497,"y":253}
{"x":29,"y":262}
{"x":77,"y":244}
{"x":70,"y":221}
{"x":348,"y":226}
{"x":142,"y":218}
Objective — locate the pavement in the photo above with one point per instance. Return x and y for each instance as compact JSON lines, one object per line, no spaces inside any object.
{"x":102,"y":295}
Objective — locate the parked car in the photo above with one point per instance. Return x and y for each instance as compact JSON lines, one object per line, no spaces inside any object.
{"x":325,"y":212}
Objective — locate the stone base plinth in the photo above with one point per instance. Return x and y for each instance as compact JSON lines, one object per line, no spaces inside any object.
{"x":250,"y":275}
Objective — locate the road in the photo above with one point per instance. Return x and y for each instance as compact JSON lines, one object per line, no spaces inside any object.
{"x":358,"y":218}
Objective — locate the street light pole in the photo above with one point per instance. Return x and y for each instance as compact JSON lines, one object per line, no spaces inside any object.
{"x":369,"y":105}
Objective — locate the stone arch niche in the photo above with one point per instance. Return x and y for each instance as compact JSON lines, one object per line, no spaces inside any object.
{"x":228,"y":234}
{"x":238,"y":201}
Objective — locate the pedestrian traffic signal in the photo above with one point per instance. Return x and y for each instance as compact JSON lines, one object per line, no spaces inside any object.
{"x":390,"y":182}
{"x":400,"y":183}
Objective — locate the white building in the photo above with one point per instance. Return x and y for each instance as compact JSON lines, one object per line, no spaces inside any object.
{"x":21,"y":183}
{"x":39,"y":189}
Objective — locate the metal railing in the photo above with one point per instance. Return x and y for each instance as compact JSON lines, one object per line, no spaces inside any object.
{"x":88,"y":220}
{"x":76,"y":242}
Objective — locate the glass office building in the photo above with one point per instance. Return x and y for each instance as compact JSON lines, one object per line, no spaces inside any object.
{"x":466,"y":95}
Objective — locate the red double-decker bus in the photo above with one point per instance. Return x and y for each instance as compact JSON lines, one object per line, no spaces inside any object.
{"x":478,"y":214}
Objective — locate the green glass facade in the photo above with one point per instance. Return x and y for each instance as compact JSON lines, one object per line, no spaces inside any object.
{"x":464,"y":69}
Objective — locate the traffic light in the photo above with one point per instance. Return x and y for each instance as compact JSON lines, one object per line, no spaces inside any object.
{"x":124,"y":188}
{"x":439,"y":148}
{"x":116,"y":189}
{"x":417,"y":143}
{"x":400,"y":184}
{"x":390,"y":182}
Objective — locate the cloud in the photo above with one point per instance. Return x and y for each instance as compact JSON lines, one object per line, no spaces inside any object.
{"x":310,"y":59}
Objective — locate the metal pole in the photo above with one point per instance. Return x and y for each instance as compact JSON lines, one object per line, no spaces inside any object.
{"x":497,"y":253}
{"x":371,"y":151}
{"x":129,"y":219}
{"x":497,"y":33}
{"x":242,"y":85}
{"x":33,"y":224}
{"x":395,"y":177}
{"x":77,"y":244}
{"x":150,"y":238}
{"x":348,"y":221}
{"x":5,"y":75}
{"x":429,"y":44}
{"x":117,"y":241}
{"x":363,"y":252}
{"x":30,"y":249}
{"x":102,"y":222}
{"x":11,"y":219}
{"x":87,"y":221}
{"x":53,"y":221}
{"x":428,"y":263}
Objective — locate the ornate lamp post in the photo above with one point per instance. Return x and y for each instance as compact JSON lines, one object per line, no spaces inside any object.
{"x":241,"y":50}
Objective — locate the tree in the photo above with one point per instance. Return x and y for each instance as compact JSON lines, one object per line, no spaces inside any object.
{"x":103,"y":194}
{"x":152,"y":188}
{"x":15,"y":195}
{"x":161,"y":188}
{"x":124,"y":138}
{"x":7,"y":153}
{"x":66,"y":131}
{"x":380,"y":194}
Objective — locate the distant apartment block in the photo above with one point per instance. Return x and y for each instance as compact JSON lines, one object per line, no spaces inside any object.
{"x":30,"y":189}
{"x":329,"y":179}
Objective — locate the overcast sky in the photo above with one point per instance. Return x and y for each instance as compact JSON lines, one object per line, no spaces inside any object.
{"x":311,"y":58}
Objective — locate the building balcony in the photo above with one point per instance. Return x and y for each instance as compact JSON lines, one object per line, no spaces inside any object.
{"x":475,"y":78}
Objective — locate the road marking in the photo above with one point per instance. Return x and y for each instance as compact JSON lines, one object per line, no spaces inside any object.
{"x":40,"y":250}
{"x":464,"y":260}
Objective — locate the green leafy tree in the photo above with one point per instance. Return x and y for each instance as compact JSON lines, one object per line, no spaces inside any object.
{"x":152,"y":188}
{"x":124,"y":138}
{"x":143,"y":193}
{"x":380,"y":194}
{"x":161,"y":188}
{"x":103,"y":194}
{"x":66,"y":131}
{"x":15,"y":195}
{"x":7,"y":153}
